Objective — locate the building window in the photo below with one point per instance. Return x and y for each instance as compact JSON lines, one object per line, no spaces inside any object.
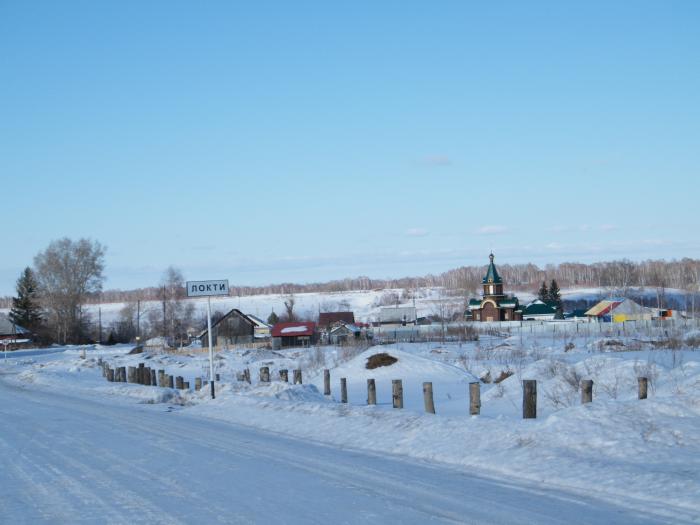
{"x":491,"y":289}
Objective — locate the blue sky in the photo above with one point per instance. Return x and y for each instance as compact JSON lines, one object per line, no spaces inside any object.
{"x":306,"y":141}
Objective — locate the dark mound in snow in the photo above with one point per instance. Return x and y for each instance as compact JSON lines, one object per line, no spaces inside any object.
{"x":377,"y":360}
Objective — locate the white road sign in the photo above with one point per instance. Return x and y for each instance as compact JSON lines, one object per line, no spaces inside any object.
{"x":207,"y":288}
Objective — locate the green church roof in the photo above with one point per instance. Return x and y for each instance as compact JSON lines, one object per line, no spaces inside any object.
{"x":492,"y":274}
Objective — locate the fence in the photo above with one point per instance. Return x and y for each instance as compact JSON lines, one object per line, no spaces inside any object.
{"x":149,"y":377}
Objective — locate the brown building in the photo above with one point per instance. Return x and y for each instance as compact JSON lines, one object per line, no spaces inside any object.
{"x":494,"y":304}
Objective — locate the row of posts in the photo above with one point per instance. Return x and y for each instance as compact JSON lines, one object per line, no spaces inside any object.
{"x":146,"y":376}
{"x":529,"y":394}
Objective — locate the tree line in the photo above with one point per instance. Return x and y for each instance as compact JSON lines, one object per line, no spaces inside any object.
{"x":68,"y":275}
{"x":620,"y":275}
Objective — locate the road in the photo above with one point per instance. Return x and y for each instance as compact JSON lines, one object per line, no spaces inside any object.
{"x":70,"y":460}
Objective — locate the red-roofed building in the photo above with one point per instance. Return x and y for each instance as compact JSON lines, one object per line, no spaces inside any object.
{"x":328,"y":319}
{"x":285,"y":335}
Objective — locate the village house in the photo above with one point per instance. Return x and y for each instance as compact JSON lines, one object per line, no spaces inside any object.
{"x":397,"y":316}
{"x":233,"y":328}
{"x":344,"y":333}
{"x":12,"y":332}
{"x":619,"y":310}
{"x":327,"y":320}
{"x":285,"y":335}
{"x":494,"y":304}
{"x":539,"y":310}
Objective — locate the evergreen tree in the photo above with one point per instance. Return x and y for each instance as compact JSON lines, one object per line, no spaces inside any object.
{"x":112,"y":339}
{"x":554,"y":294}
{"x":543,"y":293}
{"x":273,"y":319}
{"x":26,"y":311}
{"x":555,"y":298}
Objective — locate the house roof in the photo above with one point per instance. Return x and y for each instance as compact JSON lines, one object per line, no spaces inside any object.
{"x":539,"y":308}
{"x":293,"y":329}
{"x":492,"y":274}
{"x":7,"y":327}
{"x":604,"y":307}
{"x":350,"y":327}
{"x":328,"y":318}
{"x":248,"y":319}
{"x":257,"y":321}
{"x":394,"y":314}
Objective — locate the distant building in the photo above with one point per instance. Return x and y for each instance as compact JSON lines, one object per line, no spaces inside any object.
{"x":539,"y":311}
{"x":344,"y":333}
{"x":13,"y":332}
{"x":619,"y":310}
{"x":398,"y":315}
{"x":233,"y":328}
{"x":261,"y":330}
{"x":286,"y":335}
{"x":494,"y":304}
{"x":328,"y":319}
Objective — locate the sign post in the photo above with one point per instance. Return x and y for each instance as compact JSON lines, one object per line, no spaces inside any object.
{"x":207,"y":289}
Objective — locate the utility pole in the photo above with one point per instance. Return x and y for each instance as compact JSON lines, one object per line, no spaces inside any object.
{"x":99,"y":316}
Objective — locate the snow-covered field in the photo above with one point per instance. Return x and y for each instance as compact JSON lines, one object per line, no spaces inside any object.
{"x":640,"y":456}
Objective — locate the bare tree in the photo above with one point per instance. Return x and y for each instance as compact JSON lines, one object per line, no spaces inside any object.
{"x":177,"y":315}
{"x":290,"y":315}
{"x":67,"y":272}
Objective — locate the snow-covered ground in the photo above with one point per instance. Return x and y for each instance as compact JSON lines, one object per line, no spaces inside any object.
{"x":641,"y":456}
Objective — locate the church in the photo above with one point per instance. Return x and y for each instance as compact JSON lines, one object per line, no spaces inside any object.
{"x":494,"y":304}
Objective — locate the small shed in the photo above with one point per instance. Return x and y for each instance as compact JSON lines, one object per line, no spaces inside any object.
{"x":285,"y":335}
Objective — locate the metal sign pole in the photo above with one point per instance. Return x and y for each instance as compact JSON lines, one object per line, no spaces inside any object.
{"x":211,"y":349}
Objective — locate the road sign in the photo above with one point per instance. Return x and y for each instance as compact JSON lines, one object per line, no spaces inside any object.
{"x":207,"y":288}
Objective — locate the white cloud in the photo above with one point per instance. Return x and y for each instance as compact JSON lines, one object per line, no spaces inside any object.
{"x":492,"y":230}
{"x":417,"y":232}
{"x":608,"y":227}
{"x":437,"y":160}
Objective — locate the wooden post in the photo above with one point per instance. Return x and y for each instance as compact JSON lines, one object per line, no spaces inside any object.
{"x":264,"y":374}
{"x":179,"y":382}
{"x":474,"y":398}
{"x":197,"y":383}
{"x":326,"y":382}
{"x":171,"y":383}
{"x":643,"y":383}
{"x":132,"y":374}
{"x":297,"y":376}
{"x":371,"y":392}
{"x":153,"y":377}
{"x":162,"y":378}
{"x":284,"y":375}
{"x":343,"y":390}
{"x":428,"y":398}
{"x":141,"y":373}
{"x":110,"y":375}
{"x":185,"y":385}
{"x":586,"y":391}
{"x":218,"y":378}
{"x":147,"y":376}
{"x":123,"y":374}
{"x":246,"y":375}
{"x":529,"y":399}
{"x":397,"y":393}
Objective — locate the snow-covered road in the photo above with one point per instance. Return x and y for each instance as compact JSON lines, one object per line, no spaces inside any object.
{"x":72,"y":460}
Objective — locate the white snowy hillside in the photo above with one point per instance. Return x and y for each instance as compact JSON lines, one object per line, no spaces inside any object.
{"x":366,"y":304}
{"x":627,"y":455}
